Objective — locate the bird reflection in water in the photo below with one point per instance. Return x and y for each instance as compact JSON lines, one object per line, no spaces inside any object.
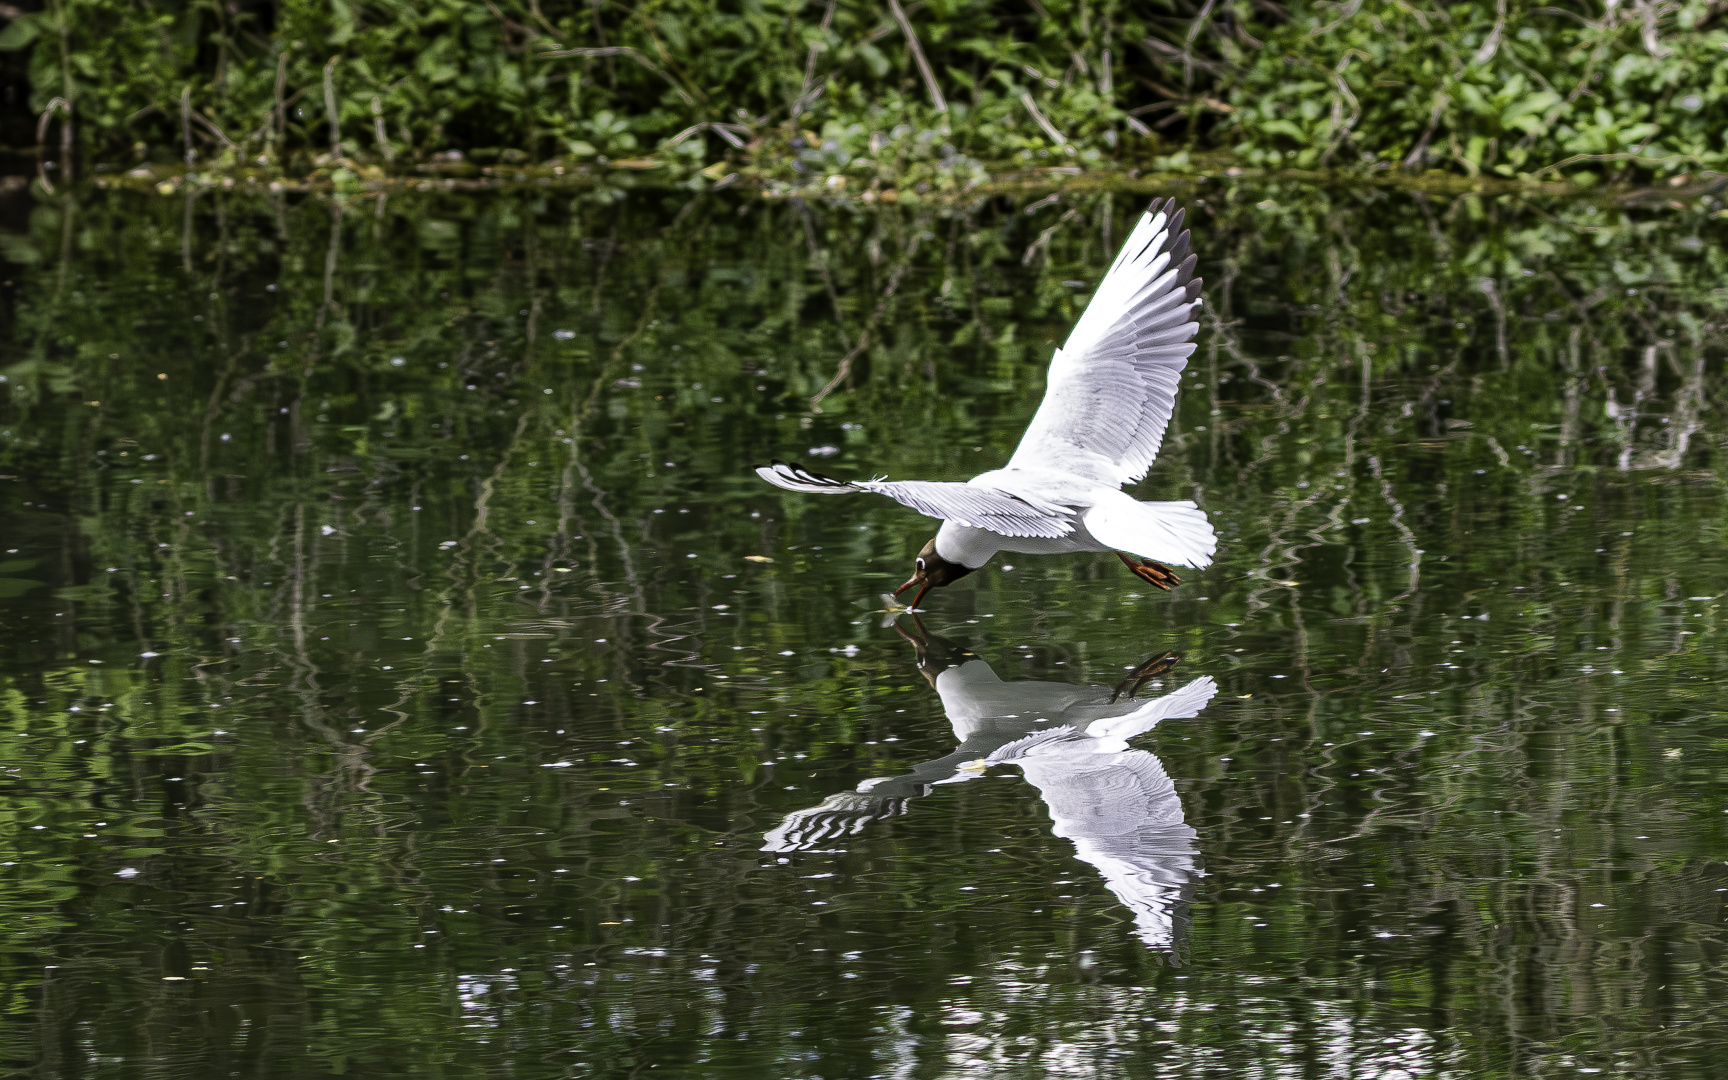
{"x":1115,"y":804}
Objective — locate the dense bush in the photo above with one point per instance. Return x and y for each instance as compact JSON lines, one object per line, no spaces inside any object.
{"x":833,"y":89}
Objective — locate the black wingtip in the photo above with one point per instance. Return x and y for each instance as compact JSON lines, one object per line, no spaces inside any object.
{"x":1181,"y":248}
{"x":1185,"y":270}
{"x":1193,"y":285}
{"x":803,"y":473}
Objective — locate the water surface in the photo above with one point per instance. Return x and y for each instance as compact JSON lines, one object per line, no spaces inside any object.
{"x":403,"y":673}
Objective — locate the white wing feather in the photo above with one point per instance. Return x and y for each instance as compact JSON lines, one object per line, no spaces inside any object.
{"x":1112,"y":386}
{"x":966,"y":504}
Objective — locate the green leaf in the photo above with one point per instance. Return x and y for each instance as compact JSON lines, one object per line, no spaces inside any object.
{"x":19,"y":33}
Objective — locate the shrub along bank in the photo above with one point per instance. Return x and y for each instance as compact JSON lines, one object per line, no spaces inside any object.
{"x":861,"y":94}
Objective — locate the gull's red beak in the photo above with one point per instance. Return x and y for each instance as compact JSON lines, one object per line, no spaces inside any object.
{"x":919,"y":578}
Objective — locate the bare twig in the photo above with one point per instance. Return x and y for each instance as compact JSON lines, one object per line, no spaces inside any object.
{"x":725,"y":131}
{"x":1349,"y":12}
{"x":1650,"y":11}
{"x":64,"y":108}
{"x":805,"y":98}
{"x":214,"y":130}
{"x":378,"y":128}
{"x":186,"y":124}
{"x":1492,"y":45}
{"x":624,"y":50}
{"x":918,"y":58}
{"x":1194,"y":29}
{"x":1049,"y":128}
{"x":1414,"y":157}
{"x":281,"y":106}
{"x":1576,"y":158}
{"x":330,"y":107}
{"x":1340,"y":126}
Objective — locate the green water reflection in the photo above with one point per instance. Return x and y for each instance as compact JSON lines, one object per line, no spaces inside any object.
{"x":405,"y":675}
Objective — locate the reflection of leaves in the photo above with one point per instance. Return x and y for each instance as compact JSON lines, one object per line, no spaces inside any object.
{"x":13,"y":586}
{"x":59,"y":378}
{"x":1364,"y":326}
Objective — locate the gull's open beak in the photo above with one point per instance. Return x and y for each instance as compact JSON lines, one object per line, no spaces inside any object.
{"x":917,"y":579}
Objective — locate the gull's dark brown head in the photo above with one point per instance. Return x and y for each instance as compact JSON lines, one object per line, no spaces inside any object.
{"x":932,"y":571}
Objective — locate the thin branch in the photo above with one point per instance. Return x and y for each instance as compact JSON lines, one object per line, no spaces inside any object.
{"x":725,"y":131}
{"x":64,"y":107}
{"x":214,"y":130}
{"x":624,"y":50}
{"x":1576,"y":158}
{"x":1049,"y":128}
{"x":1414,"y":158}
{"x":936,"y":97}
{"x":805,"y":99}
{"x":330,"y":107}
{"x":1492,"y":45}
{"x":186,"y":124}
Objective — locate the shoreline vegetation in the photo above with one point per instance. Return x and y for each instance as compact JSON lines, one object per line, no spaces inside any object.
{"x":876,"y":102}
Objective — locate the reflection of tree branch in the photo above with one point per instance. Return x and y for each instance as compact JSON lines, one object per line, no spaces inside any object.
{"x":1404,"y":530}
{"x":1038,"y":245}
{"x":882,"y":302}
{"x":819,"y":258}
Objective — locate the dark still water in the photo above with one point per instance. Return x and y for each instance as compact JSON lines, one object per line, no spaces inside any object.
{"x":402,"y":672}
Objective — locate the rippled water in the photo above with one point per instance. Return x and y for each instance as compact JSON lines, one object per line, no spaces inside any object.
{"x":403,"y":673}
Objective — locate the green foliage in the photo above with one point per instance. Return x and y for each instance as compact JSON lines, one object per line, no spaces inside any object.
{"x":810,"y":90}
{"x":1519,"y":91}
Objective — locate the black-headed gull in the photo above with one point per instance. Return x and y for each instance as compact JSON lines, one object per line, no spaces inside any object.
{"x":1109,"y":396}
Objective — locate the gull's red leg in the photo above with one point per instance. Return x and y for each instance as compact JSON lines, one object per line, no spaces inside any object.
{"x":1153,"y":573}
{"x":1145,"y":673}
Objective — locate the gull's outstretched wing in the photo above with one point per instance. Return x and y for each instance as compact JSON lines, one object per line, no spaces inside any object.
{"x":1112,"y":387}
{"x":977,"y":507}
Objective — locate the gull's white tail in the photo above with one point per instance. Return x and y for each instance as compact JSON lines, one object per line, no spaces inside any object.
{"x":1170,"y":532}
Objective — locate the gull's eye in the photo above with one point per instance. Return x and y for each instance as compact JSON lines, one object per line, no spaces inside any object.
{"x":920,"y":564}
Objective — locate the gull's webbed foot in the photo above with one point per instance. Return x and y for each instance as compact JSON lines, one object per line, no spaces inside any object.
{"x":1145,"y":673}
{"x":1153,"y":573}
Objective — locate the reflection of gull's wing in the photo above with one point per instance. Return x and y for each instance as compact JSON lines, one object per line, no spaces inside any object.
{"x":1153,"y":874}
{"x":1120,"y":808}
{"x":842,"y":814}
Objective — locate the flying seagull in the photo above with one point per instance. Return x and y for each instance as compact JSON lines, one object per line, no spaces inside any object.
{"x":1110,"y":393}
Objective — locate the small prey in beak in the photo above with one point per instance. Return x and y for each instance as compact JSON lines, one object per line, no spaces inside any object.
{"x":919,"y":578}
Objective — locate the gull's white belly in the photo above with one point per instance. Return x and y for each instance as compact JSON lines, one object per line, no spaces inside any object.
{"x":1175,"y":532}
{"x":974,"y":547}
